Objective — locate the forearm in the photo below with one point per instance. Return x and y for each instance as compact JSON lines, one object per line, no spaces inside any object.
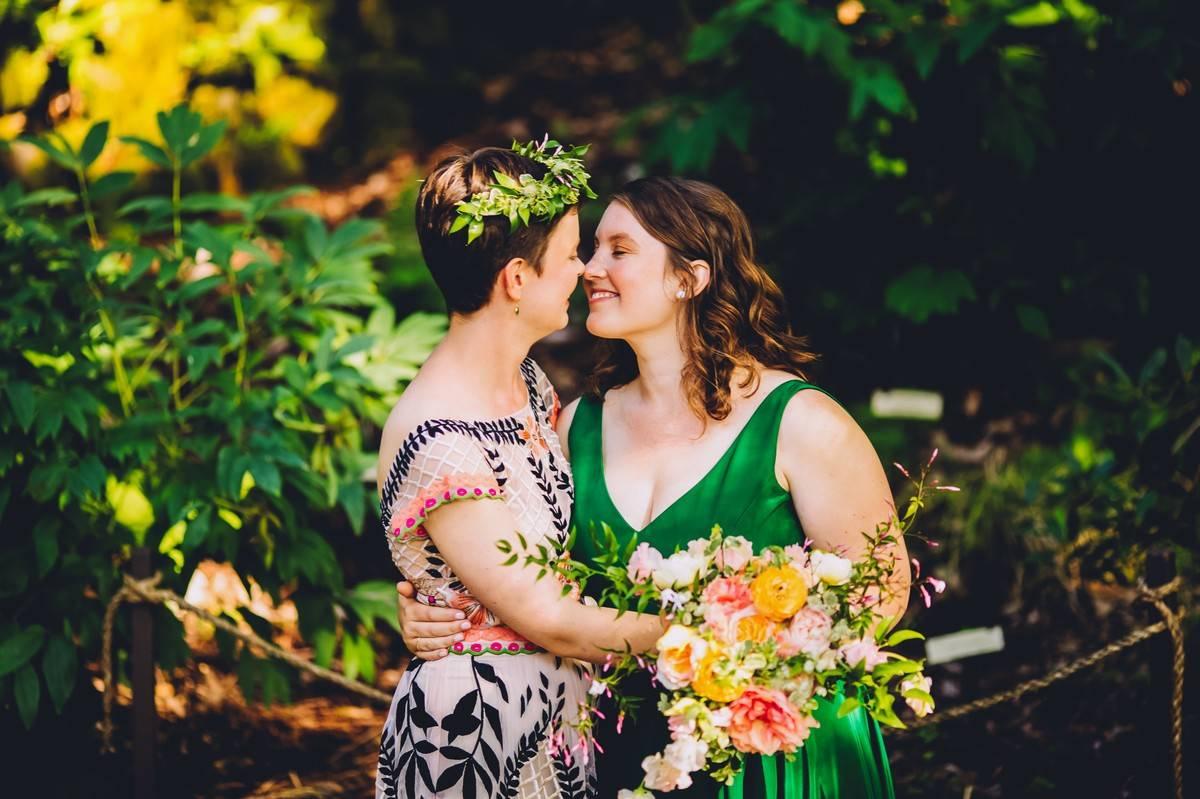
{"x":588,"y":633}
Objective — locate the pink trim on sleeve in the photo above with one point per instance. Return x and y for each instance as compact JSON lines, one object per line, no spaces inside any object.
{"x":410,"y":519}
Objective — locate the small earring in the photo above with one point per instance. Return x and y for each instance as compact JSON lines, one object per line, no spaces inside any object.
{"x":681,"y":294}
{"x":517,"y":310}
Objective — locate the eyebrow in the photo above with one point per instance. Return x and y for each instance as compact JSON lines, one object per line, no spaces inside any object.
{"x":616,"y":237}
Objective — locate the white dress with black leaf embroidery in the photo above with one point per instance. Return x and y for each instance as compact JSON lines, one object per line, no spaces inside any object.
{"x":479,"y":722}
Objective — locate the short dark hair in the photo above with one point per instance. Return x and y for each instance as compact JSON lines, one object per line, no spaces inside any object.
{"x":465,"y":273}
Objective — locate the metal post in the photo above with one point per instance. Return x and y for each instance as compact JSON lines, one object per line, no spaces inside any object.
{"x":142,"y":656}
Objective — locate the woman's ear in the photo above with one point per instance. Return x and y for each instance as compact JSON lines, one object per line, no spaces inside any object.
{"x":701,"y":275}
{"x":513,"y":278}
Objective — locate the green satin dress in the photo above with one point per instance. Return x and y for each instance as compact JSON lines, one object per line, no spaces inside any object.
{"x":842,"y":758}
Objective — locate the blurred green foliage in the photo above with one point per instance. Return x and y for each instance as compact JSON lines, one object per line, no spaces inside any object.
{"x":195,"y":380}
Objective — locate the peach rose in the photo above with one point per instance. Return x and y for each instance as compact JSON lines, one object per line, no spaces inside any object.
{"x":808,"y":632}
{"x":678,"y":649}
{"x":765,"y":722}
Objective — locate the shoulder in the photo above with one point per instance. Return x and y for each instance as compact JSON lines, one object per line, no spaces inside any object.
{"x":415,"y":433}
{"x":815,"y":423}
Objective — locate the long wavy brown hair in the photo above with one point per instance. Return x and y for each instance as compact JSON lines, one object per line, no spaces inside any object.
{"x":737,"y":320}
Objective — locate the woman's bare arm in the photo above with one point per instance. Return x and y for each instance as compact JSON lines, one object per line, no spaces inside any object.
{"x":838,"y":486}
{"x":466,"y":535}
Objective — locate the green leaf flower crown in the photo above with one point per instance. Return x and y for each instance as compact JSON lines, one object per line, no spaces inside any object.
{"x":527,"y":197}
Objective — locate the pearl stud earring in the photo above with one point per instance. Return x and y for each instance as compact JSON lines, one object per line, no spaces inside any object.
{"x":681,"y":294}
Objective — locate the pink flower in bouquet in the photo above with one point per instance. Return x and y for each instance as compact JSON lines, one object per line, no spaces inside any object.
{"x":808,"y":632}
{"x":680,"y":726}
{"x":863,"y":651}
{"x":734,"y":553}
{"x":726,"y":601}
{"x":643,"y":562}
{"x":765,"y":722}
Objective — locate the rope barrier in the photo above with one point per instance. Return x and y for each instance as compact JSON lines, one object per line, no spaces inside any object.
{"x":146,"y":590}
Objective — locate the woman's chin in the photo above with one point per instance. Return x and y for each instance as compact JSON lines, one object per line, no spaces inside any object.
{"x":600,"y":327}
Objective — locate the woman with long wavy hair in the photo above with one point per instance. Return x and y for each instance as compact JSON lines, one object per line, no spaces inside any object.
{"x":698,"y":413}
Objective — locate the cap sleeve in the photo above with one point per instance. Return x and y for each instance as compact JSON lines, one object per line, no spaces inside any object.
{"x":436,"y":465}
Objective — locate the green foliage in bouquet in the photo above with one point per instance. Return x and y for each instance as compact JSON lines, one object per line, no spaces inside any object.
{"x":193,"y":379}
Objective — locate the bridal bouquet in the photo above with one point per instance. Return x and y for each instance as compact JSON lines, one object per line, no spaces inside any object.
{"x":754,"y":639}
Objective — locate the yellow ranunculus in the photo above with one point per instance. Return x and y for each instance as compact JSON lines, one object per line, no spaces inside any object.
{"x":710,"y":685}
{"x":779,"y":592}
{"x":756,"y":628}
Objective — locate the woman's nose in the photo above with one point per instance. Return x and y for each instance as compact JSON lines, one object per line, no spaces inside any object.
{"x":593,"y":269}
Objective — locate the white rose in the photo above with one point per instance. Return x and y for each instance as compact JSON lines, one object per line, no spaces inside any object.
{"x":921,"y":683}
{"x":831,"y":569}
{"x":662,"y":776}
{"x":696,"y":547}
{"x":678,"y":571}
{"x":686,"y":753}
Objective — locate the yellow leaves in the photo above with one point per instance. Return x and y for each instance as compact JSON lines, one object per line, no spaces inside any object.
{"x":247,"y":484}
{"x":130,"y":507}
{"x":128,"y":59}
{"x":295,"y":109}
{"x":22,"y":76}
{"x":170,"y":543}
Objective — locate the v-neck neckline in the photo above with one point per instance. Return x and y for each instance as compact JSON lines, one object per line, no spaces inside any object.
{"x":695,"y":486}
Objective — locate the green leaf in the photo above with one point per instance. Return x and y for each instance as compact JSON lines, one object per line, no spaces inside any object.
{"x":209,"y":203}
{"x":20,"y":396}
{"x":150,"y":151}
{"x":847,"y":707}
{"x":975,"y":35}
{"x":17,"y":650}
{"x":924,"y":43}
{"x":1034,"y":16}
{"x":27,"y":690}
{"x":266,"y":475}
{"x":375,"y":599}
{"x":111,"y":183}
{"x":708,"y":40}
{"x":900,"y":636}
{"x":1033,"y":320}
{"x":202,"y":143}
{"x":60,"y":667}
{"x":921,"y":292}
{"x":154,"y":206}
{"x":50,"y":197}
{"x":1186,"y":356}
{"x":60,"y":157}
{"x":1152,"y":367}
{"x":93,"y":143}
